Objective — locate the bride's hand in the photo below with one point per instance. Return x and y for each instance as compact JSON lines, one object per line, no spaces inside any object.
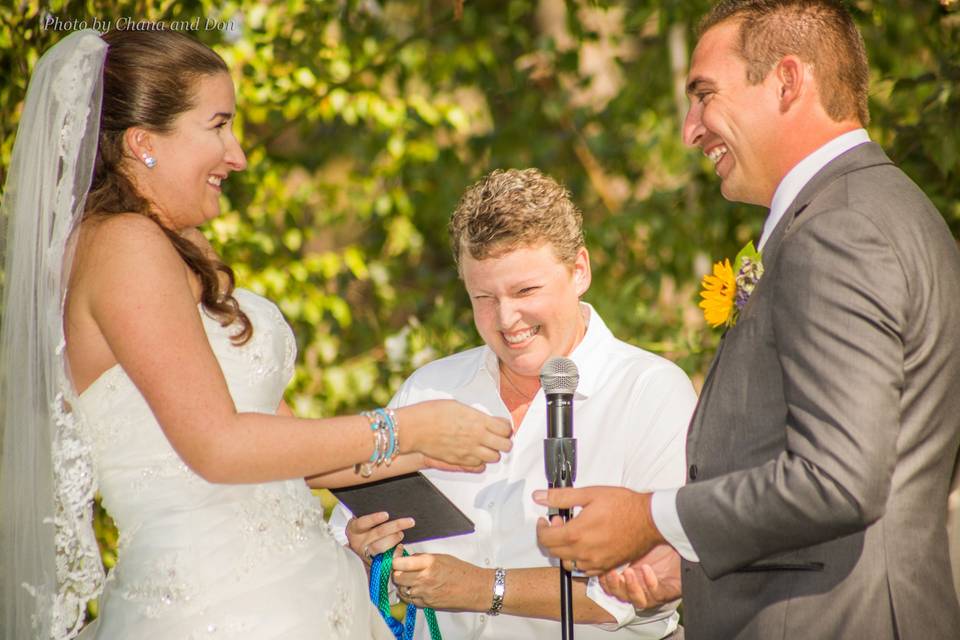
{"x":375,"y":533}
{"x":451,"y":432}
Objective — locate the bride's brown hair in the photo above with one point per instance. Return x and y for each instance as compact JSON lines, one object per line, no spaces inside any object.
{"x":149,"y":79}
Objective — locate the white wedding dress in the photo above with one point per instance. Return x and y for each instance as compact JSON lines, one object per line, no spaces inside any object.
{"x":201,"y":560}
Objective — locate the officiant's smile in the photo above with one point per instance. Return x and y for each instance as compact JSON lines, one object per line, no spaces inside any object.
{"x":526,"y":305}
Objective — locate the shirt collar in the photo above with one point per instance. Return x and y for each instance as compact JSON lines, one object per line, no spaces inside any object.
{"x":587,"y":355}
{"x":803,"y":172}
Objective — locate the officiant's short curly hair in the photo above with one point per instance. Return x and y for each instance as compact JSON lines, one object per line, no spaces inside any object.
{"x":819,"y":32}
{"x":513,"y":208}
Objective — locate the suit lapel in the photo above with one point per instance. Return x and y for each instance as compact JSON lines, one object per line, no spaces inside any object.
{"x":860,"y":157}
{"x":864,"y":156}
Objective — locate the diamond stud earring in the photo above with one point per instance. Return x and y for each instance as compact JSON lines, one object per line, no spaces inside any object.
{"x":149,"y":160}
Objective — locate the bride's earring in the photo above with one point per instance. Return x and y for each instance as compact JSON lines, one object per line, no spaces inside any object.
{"x":149,"y":160}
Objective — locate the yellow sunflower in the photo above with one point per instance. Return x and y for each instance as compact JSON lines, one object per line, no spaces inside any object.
{"x":718,"y":294}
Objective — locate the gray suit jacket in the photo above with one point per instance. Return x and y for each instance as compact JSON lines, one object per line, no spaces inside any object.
{"x":822,"y":447}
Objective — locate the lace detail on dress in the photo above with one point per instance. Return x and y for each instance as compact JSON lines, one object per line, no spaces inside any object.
{"x":341,"y":613}
{"x":166,"y":589}
{"x":169,"y":466}
{"x":216,"y":630}
{"x":104,"y":433}
{"x":125,"y":537}
{"x":260,"y":351}
{"x":280,"y":518}
{"x":261,"y":364}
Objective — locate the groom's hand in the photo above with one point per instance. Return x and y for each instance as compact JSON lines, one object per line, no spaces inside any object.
{"x":614,"y":527}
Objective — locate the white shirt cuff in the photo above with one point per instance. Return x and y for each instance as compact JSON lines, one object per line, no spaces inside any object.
{"x":338,"y":523}
{"x":663,"y":508}
{"x":655,"y":623}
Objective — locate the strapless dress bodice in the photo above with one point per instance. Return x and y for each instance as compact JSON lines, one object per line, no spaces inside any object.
{"x":198,"y":559}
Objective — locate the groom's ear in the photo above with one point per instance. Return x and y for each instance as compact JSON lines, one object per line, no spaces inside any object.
{"x":791,"y":76}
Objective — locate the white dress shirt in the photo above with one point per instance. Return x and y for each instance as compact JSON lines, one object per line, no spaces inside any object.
{"x":663,"y":505}
{"x":798,"y":177}
{"x":631,"y":409}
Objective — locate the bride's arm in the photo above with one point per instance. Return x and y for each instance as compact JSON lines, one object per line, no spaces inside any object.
{"x":347,"y":476}
{"x":405,"y":463}
{"x":137,"y":290}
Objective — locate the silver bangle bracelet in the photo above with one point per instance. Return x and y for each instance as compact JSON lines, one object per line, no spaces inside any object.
{"x":499,"y":587}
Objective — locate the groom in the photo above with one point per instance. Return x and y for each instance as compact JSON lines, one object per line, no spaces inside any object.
{"x":821,"y":451}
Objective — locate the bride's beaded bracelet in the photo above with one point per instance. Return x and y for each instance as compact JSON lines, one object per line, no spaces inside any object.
{"x":386,"y":440}
{"x":390,"y":419}
{"x":365,"y":469}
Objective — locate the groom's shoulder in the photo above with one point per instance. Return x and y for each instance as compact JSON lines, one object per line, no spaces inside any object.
{"x":880,"y":196}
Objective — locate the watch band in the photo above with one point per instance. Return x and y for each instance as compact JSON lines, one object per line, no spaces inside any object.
{"x":499,"y":587}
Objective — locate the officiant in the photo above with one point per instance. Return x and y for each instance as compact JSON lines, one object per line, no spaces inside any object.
{"x":518,"y":244}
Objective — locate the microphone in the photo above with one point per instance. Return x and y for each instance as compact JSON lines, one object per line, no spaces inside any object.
{"x":559,"y":378}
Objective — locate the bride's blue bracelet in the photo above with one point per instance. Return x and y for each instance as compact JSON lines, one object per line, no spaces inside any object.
{"x":365,"y":469}
{"x":374,"y":426}
{"x":391,"y":425}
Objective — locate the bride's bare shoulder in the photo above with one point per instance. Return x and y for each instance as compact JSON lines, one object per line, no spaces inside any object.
{"x":119,"y":230}
{"x":125,"y":246}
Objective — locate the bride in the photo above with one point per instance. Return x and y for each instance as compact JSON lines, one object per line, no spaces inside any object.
{"x":131,"y":365}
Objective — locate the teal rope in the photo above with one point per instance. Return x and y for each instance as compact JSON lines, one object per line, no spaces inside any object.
{"x":379,"y":595}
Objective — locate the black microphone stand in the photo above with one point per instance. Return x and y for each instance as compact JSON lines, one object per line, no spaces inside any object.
{"x":560,"y":460}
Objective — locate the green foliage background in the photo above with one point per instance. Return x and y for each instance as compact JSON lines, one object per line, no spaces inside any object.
{"x":364,"y":120}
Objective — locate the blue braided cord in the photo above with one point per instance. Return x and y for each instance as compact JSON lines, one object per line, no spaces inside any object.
{"x":379,"y":579}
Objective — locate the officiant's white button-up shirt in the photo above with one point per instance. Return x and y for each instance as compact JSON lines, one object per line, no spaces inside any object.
{"x":631,"y":413}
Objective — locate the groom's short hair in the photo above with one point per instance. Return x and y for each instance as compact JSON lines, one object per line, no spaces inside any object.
{"x":819,"y":32}
{"x":506,"y":210}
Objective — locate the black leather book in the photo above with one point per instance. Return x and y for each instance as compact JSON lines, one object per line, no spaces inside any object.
{"x":411,"y":495}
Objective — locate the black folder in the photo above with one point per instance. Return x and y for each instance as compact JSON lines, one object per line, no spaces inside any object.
{"x":411,"y":495}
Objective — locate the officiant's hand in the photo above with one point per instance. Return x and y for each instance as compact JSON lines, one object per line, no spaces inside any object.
{"x":442,"y":582}
{"x":375,"y":533}
{"x":447,"y":431}
{"x":651,"y":581}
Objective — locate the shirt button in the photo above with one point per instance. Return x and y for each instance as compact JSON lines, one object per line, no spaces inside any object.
{"x":490,"y":505}
{"x":694,"y":472}
{"x":486,"y":561}
{"x":483,"y":619}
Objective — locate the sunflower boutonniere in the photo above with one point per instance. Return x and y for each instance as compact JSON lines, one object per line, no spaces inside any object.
{"x":726,"y":291}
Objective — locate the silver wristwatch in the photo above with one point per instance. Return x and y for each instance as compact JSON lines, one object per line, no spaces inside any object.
{"x":499,"y":586}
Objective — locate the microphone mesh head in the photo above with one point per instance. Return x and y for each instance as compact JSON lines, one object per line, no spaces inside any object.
{"x":559,"y":375}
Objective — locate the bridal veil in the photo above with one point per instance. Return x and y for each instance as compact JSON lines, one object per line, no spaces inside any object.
{"x":49,"y":562}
